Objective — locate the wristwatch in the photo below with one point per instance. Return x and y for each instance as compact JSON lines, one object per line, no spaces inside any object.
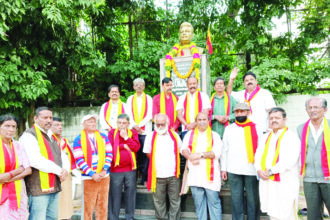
{"x":202,"y":155}
{"x":270,"y":173}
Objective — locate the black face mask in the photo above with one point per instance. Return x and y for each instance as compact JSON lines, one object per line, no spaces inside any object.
{"x":241,"y":119}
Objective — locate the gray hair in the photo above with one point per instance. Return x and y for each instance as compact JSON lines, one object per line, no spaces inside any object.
{"x":138,"y":80}
{"x":324,"y":101}
{"x":162,"y":115}
{"x":125,"y":116}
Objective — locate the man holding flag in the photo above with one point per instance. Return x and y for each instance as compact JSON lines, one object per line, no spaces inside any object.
{"x":222,"y":107}
{"x":240,"y":142}
{"x":315,"y":157}
{"x":276,"y":162}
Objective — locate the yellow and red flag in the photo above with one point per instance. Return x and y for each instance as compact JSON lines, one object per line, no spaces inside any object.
{"x":208,"y":42}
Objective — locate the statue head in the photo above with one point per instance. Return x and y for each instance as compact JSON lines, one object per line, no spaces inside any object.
{"x":186,"y":33}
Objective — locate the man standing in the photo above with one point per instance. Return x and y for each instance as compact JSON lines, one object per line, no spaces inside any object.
{"x":202,"y":147}
{"x":93,"y":154}
{"x":125,"y":144}
{"x":139,"y":108}
{"x":165,"y":103}
{"x":111,"y":109}
{"x":315,"y":157}
{"x":222,"y":106}
{"x":259,"y":100}
{"x":163,"y":148}
{"x":190,"y":104}
{"x":240,"y":142}
{"x":276,"y":162}
{"x":44,"y":184}
{"x":65,"y":206}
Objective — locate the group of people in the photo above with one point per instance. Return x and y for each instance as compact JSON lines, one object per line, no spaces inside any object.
{"x":240,"y":136}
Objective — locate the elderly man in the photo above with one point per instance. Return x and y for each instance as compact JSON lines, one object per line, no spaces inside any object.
{"x":93,"y":154}
{"x":222,"y":107}
{"x":240,"y":142}
{"x":276,"y":162}
{"x":47,"y":162}
{"x":259,"y":100}
{"x":125,"y":144}
{"x":163,"y":148}
{"x":111,"y":109}
{"x":139,"y":108}
{"x":315,"y":155}
{"x":190,"y":104}
{"x":166,"y":102}
{"x":65,"y":206}
{"x":202,"y":147}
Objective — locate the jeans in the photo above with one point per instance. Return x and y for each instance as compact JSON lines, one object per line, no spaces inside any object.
{"x":117,"y":180}
{"x":205,"y":198}
{"x":170,"y":186}
{"x":316,"y":195}
{"x":44,"y":206}
{"x":237,"y":184}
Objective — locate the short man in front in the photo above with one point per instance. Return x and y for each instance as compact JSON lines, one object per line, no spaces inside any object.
{"x":222,"y":107}
{"x":190,"y":104}
{"x":93,"y":153}
{"x":139,"y":108}
{"x":111,"y":109}
{"x":163,"y":148}
{"x":240,"y":142}
{"x":202,"y":148}
{"x":315,"y":157}
{"x":276,"y":162}
{"x":65,"y":206}
{"x":259,"y":100}
{"x":166,"y":102}
{"x":125,"y":144}
{"x":46,"y":159}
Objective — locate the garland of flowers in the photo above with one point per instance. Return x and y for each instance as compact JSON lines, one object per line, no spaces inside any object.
{"x":195,"y":65}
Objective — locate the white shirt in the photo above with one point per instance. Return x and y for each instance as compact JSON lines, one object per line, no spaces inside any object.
{"x":318,"y":133}
{"x":234,"y":157}
{"x":147,"y":121}
{"x":39,"y":162}
{"x":277,"y":198}
{"x":113,"y":116}
{"x":205,"y":104}
{"x":165,"y":157}
{"x":197,"y":175}
{"x":259,"y":105}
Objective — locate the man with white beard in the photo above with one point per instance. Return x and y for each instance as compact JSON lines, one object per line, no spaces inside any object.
{"x":162,"y":147}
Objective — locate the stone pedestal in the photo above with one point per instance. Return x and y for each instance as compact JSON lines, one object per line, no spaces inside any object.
{"x":183,"y":65}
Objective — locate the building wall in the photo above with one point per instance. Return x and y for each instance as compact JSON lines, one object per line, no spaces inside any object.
{"x":295,"y":108}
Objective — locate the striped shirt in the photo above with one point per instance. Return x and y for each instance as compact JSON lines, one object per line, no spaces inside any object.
{"x":80,"y":159}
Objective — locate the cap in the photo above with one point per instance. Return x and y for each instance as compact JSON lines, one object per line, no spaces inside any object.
{"x":242,"y":106}
{"x":86,"y":117}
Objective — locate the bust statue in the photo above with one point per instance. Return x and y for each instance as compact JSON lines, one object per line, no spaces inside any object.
{"x":185,"y":48}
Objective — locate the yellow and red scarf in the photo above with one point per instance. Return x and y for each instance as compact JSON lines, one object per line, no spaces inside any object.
{"x":10,"y":190}
{"x":87,"y":150}
{"x":192,"y":147}
{"x":117,"y":151}
{"x":166,"y":109}
{"x":198,"y":105}
{"x":47,"y":180}
{"x":325,"y":150}
{"x":152,"y":175}
{"x":65,"y":147}
{"x":252,"y":95}
{"x":275,"y":177}
{"x":226,"y":106}
{"x":144,"y":109}
{"x":107,"y":110}
{"x":251,"y":138}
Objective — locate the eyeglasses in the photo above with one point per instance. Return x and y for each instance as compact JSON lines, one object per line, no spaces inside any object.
{"x":160,"y":125}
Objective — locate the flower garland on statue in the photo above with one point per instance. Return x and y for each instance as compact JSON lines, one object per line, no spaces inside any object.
{"x":195,"y":65}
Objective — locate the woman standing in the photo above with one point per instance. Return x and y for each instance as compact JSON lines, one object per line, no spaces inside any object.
{"x":14,"y":166}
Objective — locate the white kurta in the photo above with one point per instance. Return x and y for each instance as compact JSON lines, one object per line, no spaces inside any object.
{"x":197,"y":175}
{"x":113,"y":116}
{"x":278,"y":198}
